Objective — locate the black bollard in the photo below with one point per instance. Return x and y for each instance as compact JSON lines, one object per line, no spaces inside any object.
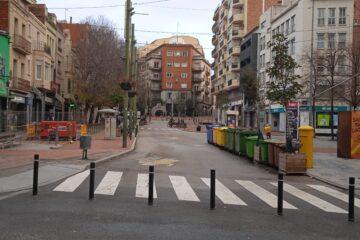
{"x":280,"y":194}
{"x":351,"y":199}
{"x":92,"y":181}
{"x":151,"y":185}
{"x":212,"y":189}
{"x":36,"y":174}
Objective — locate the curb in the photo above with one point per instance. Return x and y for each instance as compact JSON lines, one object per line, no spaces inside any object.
{"x":132,"y":148}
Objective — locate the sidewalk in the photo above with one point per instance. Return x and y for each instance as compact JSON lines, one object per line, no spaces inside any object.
{"x":55,"y":164}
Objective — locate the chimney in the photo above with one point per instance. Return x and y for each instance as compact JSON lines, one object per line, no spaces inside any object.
{"x":70,"y":20}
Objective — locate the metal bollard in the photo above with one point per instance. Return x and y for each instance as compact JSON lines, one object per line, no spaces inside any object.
{"x":351,"y":216}
{"x":212,"y":189}
{"x":280,"y":194}
{"x":92,"y":181}
{"x":151,"y":185}
{"x":36,"y":174}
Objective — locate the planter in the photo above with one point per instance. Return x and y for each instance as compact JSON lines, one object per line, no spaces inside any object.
{"x":292,"y":163}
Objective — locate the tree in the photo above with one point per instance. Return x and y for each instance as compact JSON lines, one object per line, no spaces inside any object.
{"x":353,"y":88}
{"x":284,"y":86}
{"x":250,"y":88}
{"x":98,"y":65}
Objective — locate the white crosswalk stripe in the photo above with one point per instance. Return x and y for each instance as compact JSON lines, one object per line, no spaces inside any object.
{"x":313,"y":200}
{"x":224,"y":194}
{"x":72,"y":183}
{"x":142,"y":186}
{"x":263,"y":194}
{"x":183,"y":189}
{"x":109,"y":183}
{"x":336,"y":194}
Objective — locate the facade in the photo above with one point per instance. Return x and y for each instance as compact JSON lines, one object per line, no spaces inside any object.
{"x":333,"y":28}
{"x":4,"y":77}
{"x":176,"y":75}
{"x":233,"y":20}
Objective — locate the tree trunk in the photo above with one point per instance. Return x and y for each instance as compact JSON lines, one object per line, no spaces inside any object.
{"x":91,"y":117}
{"x":332,"y":110}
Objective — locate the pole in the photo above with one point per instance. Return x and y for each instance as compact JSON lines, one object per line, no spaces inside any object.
{"x":280,"y":194}
{"x":212,"y":189}
{"x":151,"y":185}
{"x":351,"y":199}
{"x":92,"y":181}
{"x":36,"y":174}
{"x":312,"y":82}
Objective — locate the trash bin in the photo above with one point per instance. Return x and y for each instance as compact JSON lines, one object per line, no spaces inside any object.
{"x":250,"y":144}
{"x":209,"y":134}
{"x":215,"y":134}
{"x":226,"y":138}
{"x":221,"y":137}
{"x":237,"y":141}
{"x":264,"y":157}
{"x":231,"y":140}
{"x":243,"y":136}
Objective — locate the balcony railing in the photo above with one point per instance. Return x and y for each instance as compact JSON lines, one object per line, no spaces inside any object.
{"x":155,"y":68}
{"x":197,"y":68}
{"x":21,"y":44}
{"x":20,"y":84}
{"x":197,"y":79}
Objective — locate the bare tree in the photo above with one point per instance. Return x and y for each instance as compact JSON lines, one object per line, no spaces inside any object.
{"x":352,"y":95}
{"x":98,"y":65}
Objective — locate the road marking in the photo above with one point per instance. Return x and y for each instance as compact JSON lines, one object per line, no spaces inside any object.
{"x":183,"y":189}
{"x":336,"y":194}
{"x":109,"y":183}
{"x":263,"y":194}
{"x":142,"y":186}
{"x":313,"y":200}
{"x":72,"y":183}
{"x":225,"y":195}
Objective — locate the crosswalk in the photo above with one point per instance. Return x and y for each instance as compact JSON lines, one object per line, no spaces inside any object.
{"x":183,"y":190}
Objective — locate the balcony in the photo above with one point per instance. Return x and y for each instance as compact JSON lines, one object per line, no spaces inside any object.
{"x":238,"y":4}
{"x":237,"y":34}
{"x":41,"y":47}
{"x":155,"y":79}
{"x":214,"y":53}
{"x":155,"y":68}
{"x":42,"y":85}
{"x":20,"y":84}
{"x":217,"y":13}
{"x":155,"y":88}
{"x":154,"y":55}
{"x":238,"y":18}
{"x":197,"y":79}
{"x":21,"y":44}
{"x":236,"y":50}
{"x":197,"y":68}
{"x":215,"y":27}
{"x":59,"y":49}
{"x":235,"y":67}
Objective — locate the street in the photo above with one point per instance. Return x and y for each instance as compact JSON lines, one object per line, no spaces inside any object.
{"x":245,"y":209}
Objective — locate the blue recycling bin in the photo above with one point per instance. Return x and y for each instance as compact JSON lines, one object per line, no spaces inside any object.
{"x":209,"y":129}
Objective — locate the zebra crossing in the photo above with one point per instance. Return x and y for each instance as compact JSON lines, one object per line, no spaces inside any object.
{"x":109,"y":184}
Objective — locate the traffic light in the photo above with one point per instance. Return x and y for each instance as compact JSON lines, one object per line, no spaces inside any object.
{"x":72,"y":105}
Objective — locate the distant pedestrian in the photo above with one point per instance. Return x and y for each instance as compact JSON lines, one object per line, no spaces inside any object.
{"x":267,"y":130}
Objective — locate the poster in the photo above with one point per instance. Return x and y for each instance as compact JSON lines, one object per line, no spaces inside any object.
{"x":293,"y":118}
{"x":355,"y":134}
{"x":323,"y":120}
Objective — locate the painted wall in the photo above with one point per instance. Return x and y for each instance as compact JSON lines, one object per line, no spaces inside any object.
{"x":4,"y":64}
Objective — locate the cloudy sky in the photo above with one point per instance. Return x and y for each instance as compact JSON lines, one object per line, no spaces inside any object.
{"x":164,"y":19}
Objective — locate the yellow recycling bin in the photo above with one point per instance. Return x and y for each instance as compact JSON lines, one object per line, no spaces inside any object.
{"x":83,"y":130}
{"x":215,"y":132}
{"x":221,"y":137}
{"x":306,"y":135}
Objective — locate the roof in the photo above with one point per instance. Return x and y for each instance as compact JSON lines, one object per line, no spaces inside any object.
{"x":77,"y":31}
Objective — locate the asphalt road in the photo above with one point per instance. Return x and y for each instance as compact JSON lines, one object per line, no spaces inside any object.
{"x":181,"y":161}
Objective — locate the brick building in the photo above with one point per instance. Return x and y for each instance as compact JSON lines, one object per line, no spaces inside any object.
{"x":176,"y":75}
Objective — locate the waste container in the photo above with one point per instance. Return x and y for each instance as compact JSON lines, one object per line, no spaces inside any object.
{"x":226,"y":138}
{"x":221,"y":137}
{"x":250,"y":144}
{"x":215,"y":134}
{"x":231,"y":140}
{"x":209,"y":134}
{"x":243,"y":136}
{"x":237,"y":141}
{"x":264,"y":157}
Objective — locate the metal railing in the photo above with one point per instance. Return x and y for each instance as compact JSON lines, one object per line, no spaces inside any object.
{"x":21,"y":44}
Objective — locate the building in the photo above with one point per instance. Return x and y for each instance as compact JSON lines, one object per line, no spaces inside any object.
{"x":4,"y":77}
{"x":177,"y":76}
{"x":233,"y":20}
{"x":248,"y":69}
{"x":332,"y":29}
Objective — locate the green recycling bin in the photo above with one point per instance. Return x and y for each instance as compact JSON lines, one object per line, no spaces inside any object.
{"x":231,"y":140}
{"x":264,"y":151}
{"x":250,"y":144}
{"x":226,"y":138}
{"x":237,"y":141}
{"x":243,"y":136}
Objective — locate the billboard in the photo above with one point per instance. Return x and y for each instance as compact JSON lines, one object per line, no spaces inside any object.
{"x":4,"y":64}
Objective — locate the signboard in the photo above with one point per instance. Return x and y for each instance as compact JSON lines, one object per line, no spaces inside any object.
{"x":4,"y":65}
{"x":323,"y":120}
{"x":355,"y":134}
{"x":293,"y":119}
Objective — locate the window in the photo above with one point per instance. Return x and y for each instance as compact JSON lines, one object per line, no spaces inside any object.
{"x":29,"y":68}
{"x":177,"y":54}
{"x":184,"y":85}
{"x":341,"y":65}
{"x":16,"y":26}
{"x":156,"y":65}
{"x":185,"y":54}
{"x":320,"y":41}
{"x":184,"y":64}
{"x":273,"y":33}
{"x":282,"y":28}
{"x":29,"y":33}
{"x":168,"y":74}
{"x":342,"y":40}
{"x":292,"y":47}
{"x":331,"y":19}
{"x":278,"y":30}
{"x":263,"y":24}
{"x":184,"y":75}
{"x":170,"y":53}
{"x":331,"y":40}
{"x":176,"y":64}
{"x":38,"y":70}
{"x":292,"y":24}
{"x":169,"y":85}
{"x":23,"y":30}
{"x":47,"y":72}
{"x":22,"y":70}
{"x":169,"y":64}
{"x":156,"y":75}
{"x":287,"y":26}
{"x":321,"y":17}
{"x":342,"y":16}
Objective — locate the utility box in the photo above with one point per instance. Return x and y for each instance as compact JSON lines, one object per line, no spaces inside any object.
{"x":110,"y":128}
{"x":306,"y":135}
{"x":85,"y":142}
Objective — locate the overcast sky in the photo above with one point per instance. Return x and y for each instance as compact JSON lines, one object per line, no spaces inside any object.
{"x":189,"y":16}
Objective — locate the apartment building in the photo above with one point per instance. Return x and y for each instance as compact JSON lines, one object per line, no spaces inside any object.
{"x":176,"y":74}
{"x":233,"y":19}
{"x":332,"y":29}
